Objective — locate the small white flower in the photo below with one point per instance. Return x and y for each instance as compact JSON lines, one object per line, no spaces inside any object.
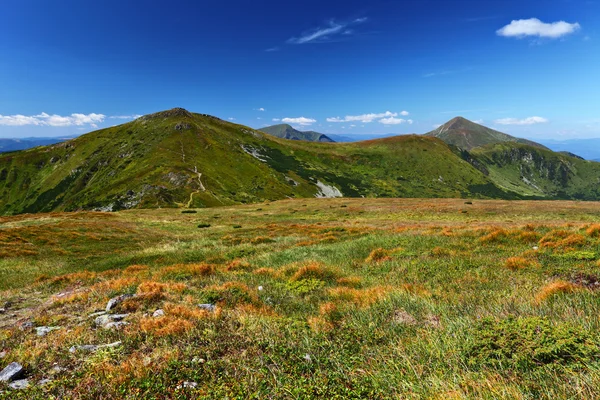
{"x":307,"y":357}
{"x":260,"y":288}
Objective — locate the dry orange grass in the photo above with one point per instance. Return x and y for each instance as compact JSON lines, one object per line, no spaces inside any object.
{"x":165,"y":326}
{"x":378,"y":255}
{"x":151,"y":288}
{"x":562,"y":239}
{"x":554,"y":288}
{"x":314,"y":270}
{"x":359,"y":297}
{"x":320,"y":325}
{"x":117,"y":284}
{"x":516,"y":263}
{"x":265,"y":271}
{"x":350,"y":281}
{"x":239,"y":265}
{"x":497,"y":235}
{"x":593,"y":230}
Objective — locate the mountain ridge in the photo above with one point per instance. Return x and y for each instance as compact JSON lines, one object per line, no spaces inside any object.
{"x":468,"y":135}
{"x":286,"y":131}
{"x":175,"y":158}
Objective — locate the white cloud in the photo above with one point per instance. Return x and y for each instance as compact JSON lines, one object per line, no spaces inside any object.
{"x":404,"y":113}
{"x":44,"y":119}
{"x":478,"y":121}
{"x":535,"y":27}
{"x":328,"y":32}
{"x":364,"y":118}
{"x":300,"y":121}
{"x":276,"y":119}
{"x":231,"y":119}
{"x":395,"y":121}
{"x":261,"y":109}
{"x":524,"y":121}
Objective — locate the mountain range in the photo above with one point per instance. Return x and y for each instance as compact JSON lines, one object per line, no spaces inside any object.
{"x":285,"y":131}
{"x":27,"y":143}
{"x":176,"y":158}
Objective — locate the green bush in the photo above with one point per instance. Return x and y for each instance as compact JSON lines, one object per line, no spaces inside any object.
{"x":526,"y":343}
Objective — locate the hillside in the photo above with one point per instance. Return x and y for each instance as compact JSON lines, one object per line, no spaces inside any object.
{"x":285,"y":131}
{"x":537,"y":172}
{"x":178,"y":159}
{"x":468,"y":135}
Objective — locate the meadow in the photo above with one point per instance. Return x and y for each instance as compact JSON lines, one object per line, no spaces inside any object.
{"x":306,"y":298}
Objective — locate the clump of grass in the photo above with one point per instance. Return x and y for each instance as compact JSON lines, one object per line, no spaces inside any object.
{"x":350,"y":281}
{"x":517,"y":263}
{"x":496,"y":236}
{"x":265,"y":271}
{"x":239,"y":265}
{"x":304,"y":287}
{"x":526,"y":343}
{"x":237,"y":226}
{"x":593,"y":231}
{"x":229,"y":294}
{"x":203,"y":225}
{"x":378,"y":255}
{"x":165,"y":326}
{"x":554,"y":288}
{"x":314,"y":270}
{"x":562,"y":239}
{"x":359,"y":297}
{"x":261,"y":240}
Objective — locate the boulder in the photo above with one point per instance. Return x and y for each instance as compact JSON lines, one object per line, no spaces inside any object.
{"x":115,"y":301}
{"x":19,"y":385}
{"x":12,"y":372}
{"x":208,"y":307}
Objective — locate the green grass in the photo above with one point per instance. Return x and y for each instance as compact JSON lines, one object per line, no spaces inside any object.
{"x":379,"y":299}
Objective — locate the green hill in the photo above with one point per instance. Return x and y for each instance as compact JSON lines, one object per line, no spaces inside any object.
{"x":468,"y":135}
{"x":178,"y":159}
{"x":285,"y":131}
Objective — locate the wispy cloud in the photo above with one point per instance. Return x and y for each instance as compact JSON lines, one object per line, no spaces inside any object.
{"x":272,"y":49}
{"x":276,"y":119}
{"x":366,"y":118}
{"x":302,"y":121}
{"x":524,"y":121}
{"x":534,"y":27}
{"x":231,"y":119}
{"x":331,"y":31}
{"x":55,"y":120}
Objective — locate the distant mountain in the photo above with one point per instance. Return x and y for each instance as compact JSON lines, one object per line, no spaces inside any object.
{"x":586,"y":148}
{"x":285,"y":131}
{"x":468,"y":135}
{"x":357,"y":137}
{"x":27,"y":143}
{"x":176,"y":158}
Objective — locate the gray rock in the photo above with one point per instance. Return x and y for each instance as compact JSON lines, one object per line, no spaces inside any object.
{"x":97,"y":314}
{"x":57,"y":370}
{"x":90,"y":348}
{"x":2,"y":354}
{"x":112,"y":303}
{"x":158,"y":313}
{"x":44,"y":382}
{"x":19,"y":385}
{"x":198,"y":360}
{"x":44,"y":330}
{"x":208,"y":307}
{"x":187,"y":385}
{"x":25,"y":326}
{"x":12,"y":371}
{"x":104,"y":320}
{"x":116,"y":325}
{"x":2,"y":310}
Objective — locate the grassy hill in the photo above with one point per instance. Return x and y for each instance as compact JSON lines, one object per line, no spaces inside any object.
{"x":468,"y":135}
{"x":178,"y":159}
{"x":285,"y":131}
{"x":313,"y":299}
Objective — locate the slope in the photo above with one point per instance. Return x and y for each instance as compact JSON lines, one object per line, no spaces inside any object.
{"x":285,"y":131}
{"x":537,"y":172}
{"x":468,"y":135}
{"x":179,"y":159}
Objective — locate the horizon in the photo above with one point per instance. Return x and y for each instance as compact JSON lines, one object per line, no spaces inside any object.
{"x":345,"y":69}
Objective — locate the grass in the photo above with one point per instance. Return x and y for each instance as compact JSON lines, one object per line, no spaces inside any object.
{"x":383,"y":298}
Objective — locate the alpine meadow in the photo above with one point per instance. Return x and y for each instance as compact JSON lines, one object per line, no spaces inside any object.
{"x":300,"y":200}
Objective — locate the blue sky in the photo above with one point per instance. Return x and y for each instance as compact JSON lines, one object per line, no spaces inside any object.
{"x":529,"y":68}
